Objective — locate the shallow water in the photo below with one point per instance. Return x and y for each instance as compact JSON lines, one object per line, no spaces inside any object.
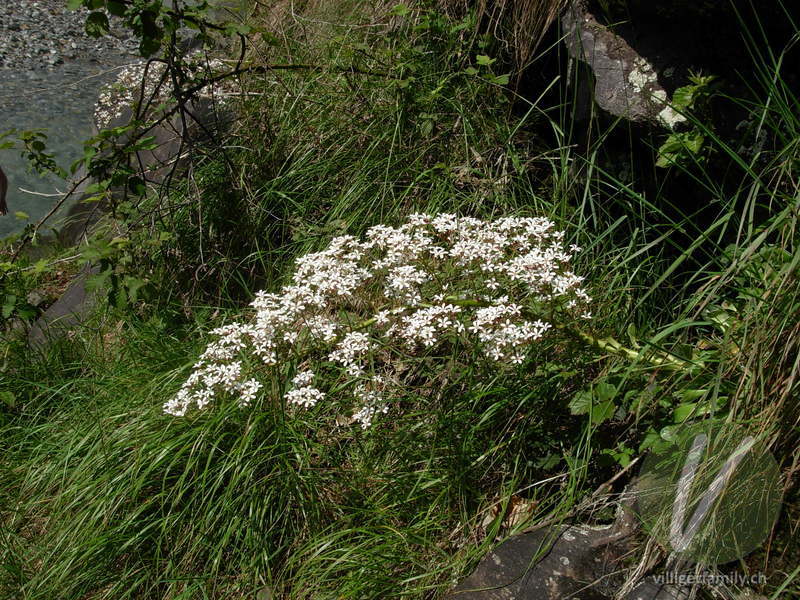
{"x":60,"y":103}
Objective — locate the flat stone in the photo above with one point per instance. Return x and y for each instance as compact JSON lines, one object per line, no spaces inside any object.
{"x":568,"y":563}
{"x":68,"y":312}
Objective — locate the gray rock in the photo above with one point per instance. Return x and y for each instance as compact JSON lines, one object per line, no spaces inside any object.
{"x":564,"y":563}
{"x":527,"y":566}
{"x":67,"y":313}
{"x":626,"y":84}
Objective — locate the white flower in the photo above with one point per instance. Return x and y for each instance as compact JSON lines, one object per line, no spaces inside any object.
{"x":348,"y":352}
{"x":403,"y":283}
{"x":426,"y":324}
{"x":500,"y":271}
{"x":307,"y":397}
{"x":303,"y":393}
{"x":247,"y":391}
{"x":303,"y":378}
{"x":372,"y":405}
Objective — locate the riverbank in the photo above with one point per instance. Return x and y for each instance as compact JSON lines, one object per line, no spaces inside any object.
{"x":43,"y":34}
{"x":52,"y":72}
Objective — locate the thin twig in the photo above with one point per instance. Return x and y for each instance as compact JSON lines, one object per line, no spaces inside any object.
{"x":29,"y":236}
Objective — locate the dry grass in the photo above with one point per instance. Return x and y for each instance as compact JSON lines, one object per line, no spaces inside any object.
{"x":520,"y":25}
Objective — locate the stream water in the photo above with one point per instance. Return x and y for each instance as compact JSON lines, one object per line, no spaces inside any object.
{"x":59,"y":102}
{"x":50,"y":77}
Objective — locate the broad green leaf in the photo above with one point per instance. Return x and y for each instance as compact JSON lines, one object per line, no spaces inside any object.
{"x":501,"y":79}
{"x":8,"y":399}
{"x":8,"y":305}
{"x":670,"y":432}
{"x":683,"y":412}
{"x":604,"y":391}
{"x":95,"y":188}
{"x":683,"y":98}
{"x":97,"y":24}
{"x":651,"y":439}
{"x":484,"y":60}
{"x":690,"y":395}
{"x":603,"y":411}
{"x":580,"y":403}
{"x":134,"y":284}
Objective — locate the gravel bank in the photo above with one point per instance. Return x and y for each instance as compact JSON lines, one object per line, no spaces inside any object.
{"x":43,"y":34}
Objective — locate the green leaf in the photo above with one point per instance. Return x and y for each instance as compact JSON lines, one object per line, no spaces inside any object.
{"x":40,"y":266}
{"x":651,"y":440}
{"x":134,"y":284}
{"x":98,"y":187}
{"x":484,"y":60}
{"x":683,"y":412}
{"x":8,"y":305}
{"x":426,"y":128}
{"x":137,"y":186}
{"x":678,"y":146}
{"x":74,"y":4}
{"x":471,"y":71}
{"x":97,"y":24}
{"x":604,"y":391}
{"x":237,"y":29}
{"x":27,"y":312}
{"x":548,"y":461}
{"x":115,"y":7}
{"x":581,"y":403}
{"x":690,"y":395}
{"x":97,"y":282}
{"x":149,"y":46}
{"x":146,"y":143}
{"x":8,"y":399}
{"x":501,"y":79}
{"x":22,"y":216}
{"x":621,"y":454}
{"x":603,"y":411}
{"x":670,"y":432}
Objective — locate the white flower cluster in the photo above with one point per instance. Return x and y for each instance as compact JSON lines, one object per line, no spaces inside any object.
{"x":303,"y":393}
{"x":137,"y":80}
{"x":434,"y":278}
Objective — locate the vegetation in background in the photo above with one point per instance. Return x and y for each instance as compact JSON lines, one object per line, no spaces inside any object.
{"x":692,"y":259}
